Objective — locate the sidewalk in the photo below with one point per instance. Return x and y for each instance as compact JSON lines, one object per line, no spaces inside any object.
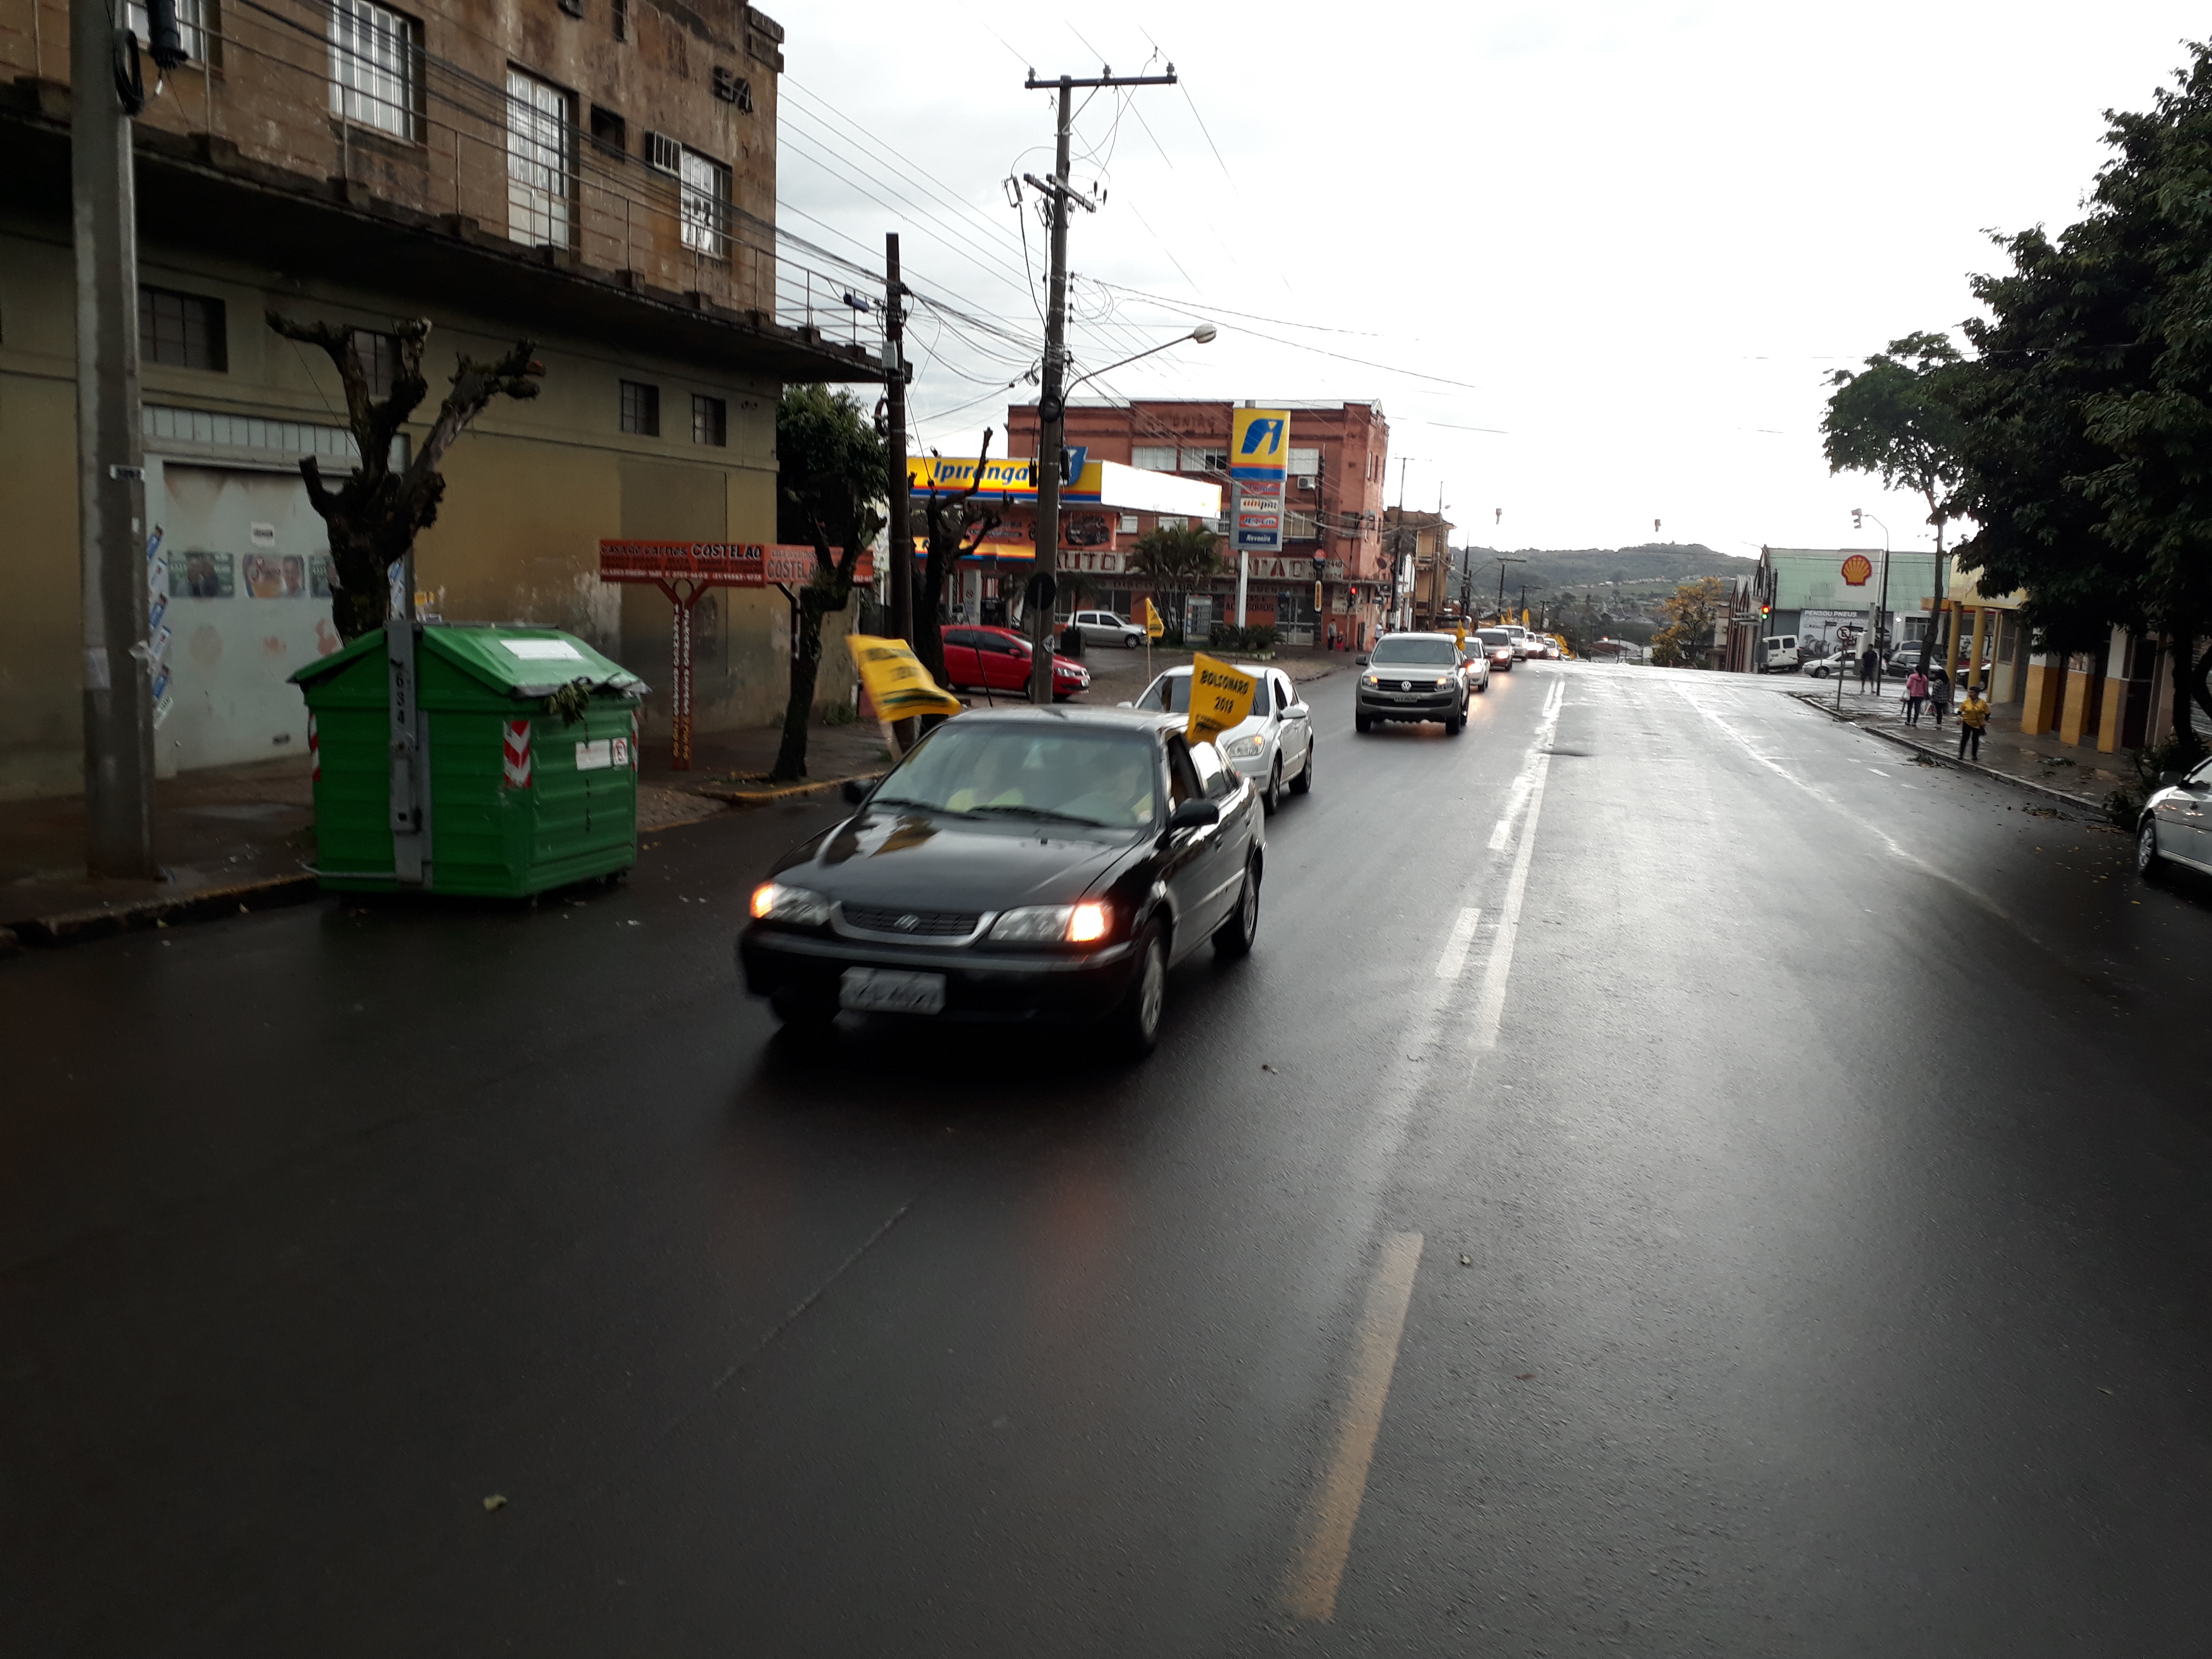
{"x":234,"y":838}
{"x":2080,"y":776}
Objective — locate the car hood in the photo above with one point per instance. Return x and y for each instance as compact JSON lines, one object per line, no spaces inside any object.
{"x":941,"y":861}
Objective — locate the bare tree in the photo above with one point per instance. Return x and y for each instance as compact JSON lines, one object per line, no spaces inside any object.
{"x":374,"y":517}
{"x":947,"y":524}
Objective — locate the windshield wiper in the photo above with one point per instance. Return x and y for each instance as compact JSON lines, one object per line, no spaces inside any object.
{"x":907,"y":801}
{"x":1043,"y":812}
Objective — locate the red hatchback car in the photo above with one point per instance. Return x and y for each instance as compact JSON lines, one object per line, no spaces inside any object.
{"x":999,"y":659}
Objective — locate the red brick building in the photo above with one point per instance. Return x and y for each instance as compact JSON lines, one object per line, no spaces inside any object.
{"x":1339,"y":455}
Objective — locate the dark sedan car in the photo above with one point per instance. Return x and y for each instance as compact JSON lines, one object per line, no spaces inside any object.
{"x":1037,"y":865}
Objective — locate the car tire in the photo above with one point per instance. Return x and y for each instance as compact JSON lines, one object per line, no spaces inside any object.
{"x":1362,"y":722}
{"x":1271,"y":798}
{"x":2150,"y":863}
{"x":1233,"y":939}
{"x":1128,"y":642}
{"x":1137,"y":1021}
{"x":1303,"y":784}
{"x":1456,"y":722}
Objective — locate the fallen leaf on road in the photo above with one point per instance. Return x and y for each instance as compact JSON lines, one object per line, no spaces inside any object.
{"x":1524,"y":1377}
{"x":494,"y":1502}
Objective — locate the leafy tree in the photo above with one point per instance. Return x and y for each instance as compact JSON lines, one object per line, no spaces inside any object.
{"x":1177,"y":562}
{"x":832,"y":463}
{"x":954,"y":527}
{"x":374,"y":516}
{"x":2088,"y":408}
{"x":1693,"y":613}
{"x":1893,"y":420}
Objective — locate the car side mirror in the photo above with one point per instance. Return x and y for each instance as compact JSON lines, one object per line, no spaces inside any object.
{"x":2167,"y":779}
{"x":1125,"y":703}
{"x":1362,"y":661}
{"x":856,"y":789}
{"x":1194,"y":815}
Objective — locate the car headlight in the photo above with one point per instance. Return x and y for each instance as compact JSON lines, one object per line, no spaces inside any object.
{"x":1370,"y":679}
{"x":1248,"y":748}
{"x":1443,"y":680}
{"x":799,"y":906}
{"x":1036,"y":924}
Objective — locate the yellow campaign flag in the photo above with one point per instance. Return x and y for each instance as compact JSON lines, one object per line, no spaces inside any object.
{"x":1459,"y":638}
{"x":898,"y":685}
{"x":1219,"y":697}
{"x":1153,"y":626}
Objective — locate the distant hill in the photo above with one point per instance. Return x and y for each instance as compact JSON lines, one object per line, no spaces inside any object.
{"x":1583,"y":569}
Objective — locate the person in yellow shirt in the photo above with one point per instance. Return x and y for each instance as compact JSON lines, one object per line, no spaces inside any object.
{"x":1973,"y":716}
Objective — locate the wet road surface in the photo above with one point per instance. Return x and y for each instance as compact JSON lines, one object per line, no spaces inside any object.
{"x":1674,"y":1177}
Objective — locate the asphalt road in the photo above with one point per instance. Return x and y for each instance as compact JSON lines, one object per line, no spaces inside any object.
{"x":1676,"y":1176}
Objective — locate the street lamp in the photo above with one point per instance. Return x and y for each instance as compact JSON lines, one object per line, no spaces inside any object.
{"x":1204,"y":334}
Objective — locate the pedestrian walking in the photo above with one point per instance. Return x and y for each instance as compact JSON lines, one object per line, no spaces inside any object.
{"x":1939,"y":694}
{"x":1973,"y":715}
{"x":1915,"y":693}
{"x":1866,"y":661}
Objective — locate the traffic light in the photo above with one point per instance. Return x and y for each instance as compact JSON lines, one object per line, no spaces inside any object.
{"x":1855,"y":515}
{"x":1765,"y":611}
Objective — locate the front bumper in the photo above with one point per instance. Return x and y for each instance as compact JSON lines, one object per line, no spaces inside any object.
{"x":1388,"y":703}
{"x":1047,"y":987}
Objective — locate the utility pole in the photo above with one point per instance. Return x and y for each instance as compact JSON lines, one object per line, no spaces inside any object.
{"x":901,"y":532}
{"x":1052,"y":407}
{"x":1502,"y":561}
{"x":119,"y":716}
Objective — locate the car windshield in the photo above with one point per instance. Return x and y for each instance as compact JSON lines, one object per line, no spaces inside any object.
{"x":1170,"y":694}
{"x":1057,"y":774}
{"x":1494,"y":637}
{"x":1440,"y":653}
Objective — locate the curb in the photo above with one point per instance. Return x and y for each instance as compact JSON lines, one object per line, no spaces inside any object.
{"x":1941,"y":758}
{"x":781,"y":792}
{"x":76,"y":927}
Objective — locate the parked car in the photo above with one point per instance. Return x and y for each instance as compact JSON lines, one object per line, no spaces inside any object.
{"x":1497,"y":648}
{"x":1024,"y":865}
{"x":1412,"y":677}
{"x":998,"y":659}
{"x":2176,"y":822}
{"x":1778,"y":654}
{"x":1273,"y":746}
{"x":1104,"y":628}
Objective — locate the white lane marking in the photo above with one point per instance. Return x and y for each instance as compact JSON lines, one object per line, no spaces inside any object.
{"x":1454,"y":960}
{"x":1491,"y":1009}
{"x":1318,"y":1570}
{"x":1517,"y":796}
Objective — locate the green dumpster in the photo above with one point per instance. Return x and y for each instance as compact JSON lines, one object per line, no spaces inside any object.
{"x":497,"y":762}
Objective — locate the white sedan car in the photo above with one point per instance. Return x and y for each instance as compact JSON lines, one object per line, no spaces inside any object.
{"x":1104,"y":628}
{"x":1273,"y":746}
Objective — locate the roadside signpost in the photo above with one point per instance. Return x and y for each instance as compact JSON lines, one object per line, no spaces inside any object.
{"x":684,"y":571}
{"x":1258,"y":467}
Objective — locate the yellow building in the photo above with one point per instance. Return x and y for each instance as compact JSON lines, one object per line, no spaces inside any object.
{"x":601,"y":183}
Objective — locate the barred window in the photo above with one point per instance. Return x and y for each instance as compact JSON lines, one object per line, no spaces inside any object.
{"x":710,"y":422}
{"x":192,"y":21}
{"x":704,"y":203}
{"x":541,"y":160}
{"x":376,"y":68}
{"x":379,"y":359}
{"x":640,"y":408}
{"x":183,"y":331}
{"x":1154,"y":457}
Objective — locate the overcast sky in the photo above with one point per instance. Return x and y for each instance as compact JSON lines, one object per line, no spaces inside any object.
{"x":1632,"y":239}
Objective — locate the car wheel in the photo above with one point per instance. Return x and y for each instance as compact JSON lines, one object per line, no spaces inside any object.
{"x":1362,"y":723}
{"x":2148,"y":859}
{"x":1303,"y":784}
{"x":1128,"y":642}
{"x":1138,"y":1021}
{"x":1272,"y":798}
{"x":1234,"y":936}
{"x":1456,"y":722}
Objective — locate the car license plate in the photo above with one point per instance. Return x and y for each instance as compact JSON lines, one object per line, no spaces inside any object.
{"x":891,"y":991}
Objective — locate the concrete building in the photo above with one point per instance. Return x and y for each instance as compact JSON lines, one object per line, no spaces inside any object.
{"x":1814,"y":592}
{"x":1419,"y":546}
{"x":1334,"y":542}
{"x":601,"y":180}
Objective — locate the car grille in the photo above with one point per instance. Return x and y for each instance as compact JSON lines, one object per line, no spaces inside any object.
{"x":895,"y":923}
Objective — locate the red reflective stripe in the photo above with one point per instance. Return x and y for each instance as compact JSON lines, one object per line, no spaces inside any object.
{"x":517,"y":757}
{"x":314,"y":752}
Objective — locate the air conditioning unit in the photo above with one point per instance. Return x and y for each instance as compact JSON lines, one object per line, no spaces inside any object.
{"x":1308,"y":482}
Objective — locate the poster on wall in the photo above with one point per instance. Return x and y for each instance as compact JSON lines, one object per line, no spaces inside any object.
{"x":202,"y":576}
{"x":276,"y":575}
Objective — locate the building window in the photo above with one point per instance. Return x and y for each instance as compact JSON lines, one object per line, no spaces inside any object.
{"x":379,"y":359}
{"x":710,"y":421}
{"x":621,"y":10}
{"x":640,"y":408}
{"x":1172,"y":521}
{"x":609,"y":131}
{"x":376,"y":57}
{"x":663,"y":153}
{"x":191,"y":26}
{"x":1128,"y":524}
{"x":541,"y":160}
{"x":704,"y":204}
{"x":1205,"y":460}
{"x":1154,"y":457}
{"x":183,"y":331}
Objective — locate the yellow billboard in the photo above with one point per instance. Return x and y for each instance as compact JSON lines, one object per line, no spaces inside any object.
{"x":1258,"y":443}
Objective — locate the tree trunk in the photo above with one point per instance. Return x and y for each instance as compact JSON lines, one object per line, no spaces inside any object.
{"x":806,"y":666}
